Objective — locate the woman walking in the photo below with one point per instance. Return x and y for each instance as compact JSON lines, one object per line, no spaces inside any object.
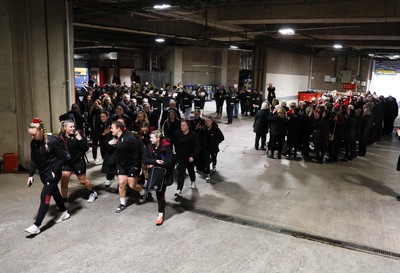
{"x":128,"y":151}
{"x":47,"y":156}
{"x":77,"y":147}
{"x":159,"y":153}
{"x":210,"y":138}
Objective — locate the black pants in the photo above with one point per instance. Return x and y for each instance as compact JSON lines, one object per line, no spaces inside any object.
{"x":229,"y":111}
{"x":209,"y":158}
{"x":220,"y":105}
{"x":276,"y":139}
{"x":49,"y":190}
{"x":263,"y":138}
{"x":161,"y":198}
{"x":182,"y":166}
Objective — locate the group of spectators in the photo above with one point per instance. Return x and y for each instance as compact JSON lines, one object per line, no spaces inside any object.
{"x":333,"y":122}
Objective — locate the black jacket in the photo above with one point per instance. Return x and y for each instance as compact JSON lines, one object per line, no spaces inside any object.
{"x":210,"y":139}
{"x":76,"y":148}
{"x":277,"y":124}
{"x":186,"y":145}
{"x":128,"y":151}
{"x":47,"y":162}
{"x":163,"y":152}
{"x":261,"y":123}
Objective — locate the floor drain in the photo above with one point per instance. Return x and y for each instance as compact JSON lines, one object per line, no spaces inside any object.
{"x":297,"y":234}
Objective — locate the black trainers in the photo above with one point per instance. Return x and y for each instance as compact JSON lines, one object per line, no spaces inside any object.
{"x":144,"y":197}
{"x":120,"y":208}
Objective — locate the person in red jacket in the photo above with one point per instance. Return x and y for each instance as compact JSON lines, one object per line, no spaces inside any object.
{"x":47,"y":156}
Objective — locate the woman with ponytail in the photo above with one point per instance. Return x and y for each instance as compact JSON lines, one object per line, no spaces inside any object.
{"x":77,"y":147}
{"x":47,"y":156}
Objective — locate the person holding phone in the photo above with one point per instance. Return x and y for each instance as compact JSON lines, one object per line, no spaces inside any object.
{"x":47,"y":156}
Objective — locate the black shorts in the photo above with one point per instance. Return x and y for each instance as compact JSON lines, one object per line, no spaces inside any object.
{"x":78,"y":168}
{"x":130,"y":171}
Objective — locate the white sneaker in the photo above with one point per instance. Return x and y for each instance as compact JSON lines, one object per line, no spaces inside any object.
{"x":33,"y":229}
{"x":63,"y":216}
{"x":92,"y":197}
{"x":193,"y":185}
{"x":97,"y":162}
{"x":208,"y":179}
{"x":108,"y":182}
{"x":178,"y":193}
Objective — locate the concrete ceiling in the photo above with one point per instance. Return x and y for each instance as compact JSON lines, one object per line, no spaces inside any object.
{"x":362,"y":26}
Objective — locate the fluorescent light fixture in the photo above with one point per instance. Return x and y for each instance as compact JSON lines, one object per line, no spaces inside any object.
{"x":286,"y":31}
{"x":337,"y":46}
{"x":371,"y":55}
{"x":160,"y":40}
{"x":199,"y":64}
{"x":162,"y":6}
{"x":396,"y":56}
{"x":233,"y":47}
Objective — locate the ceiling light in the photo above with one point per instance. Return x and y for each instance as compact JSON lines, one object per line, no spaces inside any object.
{"x":286,"y":31}
{"x":337,"y":46}
{"x":371,"y":55}
{"x":396,"y":56}
{"x":160,"y":40}
{"x":233,"y":47}
{"x":162,"y":6}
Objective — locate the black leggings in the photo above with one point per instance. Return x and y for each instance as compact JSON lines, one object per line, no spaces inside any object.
{"x":182,"y":166}
{"x":161,"y":198}
{"x":49,"y":189}
{"x":209,"y":158}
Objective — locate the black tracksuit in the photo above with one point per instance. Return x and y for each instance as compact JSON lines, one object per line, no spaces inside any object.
{"x":162,"y":152}
{"x":186,"y":145}
{"x":47,"y":162}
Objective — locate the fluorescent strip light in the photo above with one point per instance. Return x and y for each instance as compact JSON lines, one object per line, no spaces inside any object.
{"x":199,"y":64}
{"x":286,"y":31}
{"x":160,"y":40}
{"x":337,"y":46}
{"x":233,"y":47}
{"x":163,"y":6}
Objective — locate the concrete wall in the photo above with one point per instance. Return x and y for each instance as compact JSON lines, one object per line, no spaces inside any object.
{"x":33,"y":70}
{"x":333,"y":65}
{"x":287,"y":71}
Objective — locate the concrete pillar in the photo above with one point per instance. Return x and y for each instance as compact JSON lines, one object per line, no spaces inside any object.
{"x":224,"y":67}
{"x":35,"y":69}
{"x":175,"y":65}
{"x":259,"y":68}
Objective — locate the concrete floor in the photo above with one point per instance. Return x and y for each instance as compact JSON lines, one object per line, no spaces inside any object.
{"x":247,"y":220}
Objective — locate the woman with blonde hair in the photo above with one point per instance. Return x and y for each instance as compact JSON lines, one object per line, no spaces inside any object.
{"x":47,"y":156}
{"x":77,"y":147}
{"x":159,"y":154}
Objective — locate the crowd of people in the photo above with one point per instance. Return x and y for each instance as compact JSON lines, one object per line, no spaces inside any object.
{"x":137,"y":133}
{"x":143,"y":130}
{"x":331,"y":124}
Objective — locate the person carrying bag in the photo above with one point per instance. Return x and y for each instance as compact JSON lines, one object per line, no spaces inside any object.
{"x":159,"y":160}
